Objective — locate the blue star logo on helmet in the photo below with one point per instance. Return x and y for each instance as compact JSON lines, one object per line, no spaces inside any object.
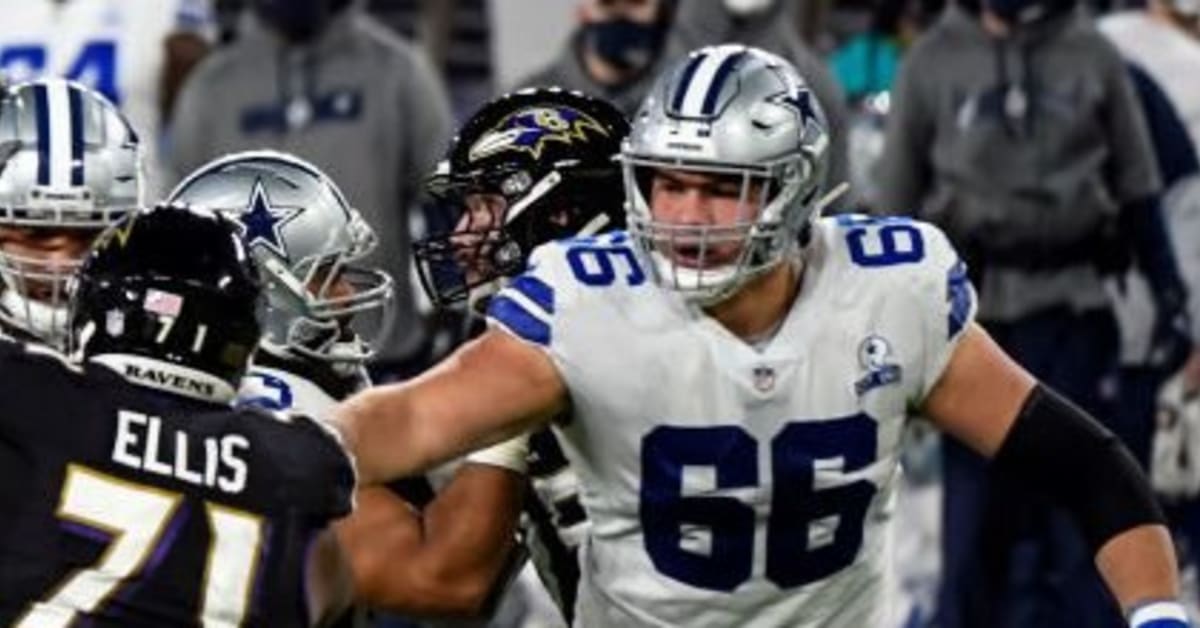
{"x":261,"y":222}
{"x":530,"y":130}
{"x":799,"y":100}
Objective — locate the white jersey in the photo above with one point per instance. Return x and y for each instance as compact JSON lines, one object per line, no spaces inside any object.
{"x":113,"y":46}
{"x":729,"y":485}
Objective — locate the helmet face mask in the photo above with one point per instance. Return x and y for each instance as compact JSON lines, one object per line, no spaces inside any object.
{"x":734,"y":114}
{"x":69,"y":167}
{"x":36,"y":267}
{"x":707,"y":261}
{"x":324,"y":302}
{"x":529,"y":167}
{"x":480,"y":247}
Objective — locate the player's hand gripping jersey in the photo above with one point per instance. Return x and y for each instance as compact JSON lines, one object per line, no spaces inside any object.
{"x":131,"y":507}
{"x":724,"y":480}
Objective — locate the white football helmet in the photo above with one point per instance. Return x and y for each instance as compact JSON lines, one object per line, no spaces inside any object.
{"x":68,"y":161}
{"x":727,"y":110}
{"x":307,"y":240}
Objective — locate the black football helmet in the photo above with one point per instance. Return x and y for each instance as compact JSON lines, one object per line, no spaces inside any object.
{"x":174,"y":286}
{"x":529,"y":167}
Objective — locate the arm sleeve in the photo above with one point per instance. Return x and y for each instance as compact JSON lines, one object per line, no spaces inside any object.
{"x":904,"y":172}
{"x":1144,"y":223}
{"x":322,"y":474}
{"x":1057,"y":449}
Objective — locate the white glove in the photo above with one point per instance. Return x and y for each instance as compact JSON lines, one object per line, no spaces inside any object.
{"x":1175,"y":450}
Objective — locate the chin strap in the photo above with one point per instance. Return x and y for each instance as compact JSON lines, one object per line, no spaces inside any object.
{"x":830,"y":198}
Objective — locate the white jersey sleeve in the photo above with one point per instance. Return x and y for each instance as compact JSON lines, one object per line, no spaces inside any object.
{"x":540,"y":301}
{"x":943,"y":300}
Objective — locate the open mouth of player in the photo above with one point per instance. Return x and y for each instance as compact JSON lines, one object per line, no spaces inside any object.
{"x":701,"y":257}
{"x":689,"y":256}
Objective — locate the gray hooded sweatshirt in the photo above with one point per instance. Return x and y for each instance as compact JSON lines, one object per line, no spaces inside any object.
{"x":362,"y":104}
{"x":1020,"y":149}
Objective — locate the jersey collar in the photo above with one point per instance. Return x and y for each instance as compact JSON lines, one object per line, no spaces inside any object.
{"x":167,"y":377}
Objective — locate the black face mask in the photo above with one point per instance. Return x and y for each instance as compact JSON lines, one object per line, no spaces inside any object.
{"x":626,"y":44}
{"x":1025,"y":12}
{"x":298,"y":20}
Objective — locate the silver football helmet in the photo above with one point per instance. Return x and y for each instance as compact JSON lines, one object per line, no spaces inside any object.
{"x":69,"y":167}
{"x":307,"y":240}
{"x":737,"y":113}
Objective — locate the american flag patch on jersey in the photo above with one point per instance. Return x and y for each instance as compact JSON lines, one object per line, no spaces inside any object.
{"x":162,"y":303}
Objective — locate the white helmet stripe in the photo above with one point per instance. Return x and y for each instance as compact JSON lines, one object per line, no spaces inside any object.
{"x":58,"y":106}
{"x":702,"y":82}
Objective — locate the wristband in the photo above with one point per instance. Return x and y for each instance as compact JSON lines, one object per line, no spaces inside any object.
{"x":1165,"y":614}
{"x":511,"y":454}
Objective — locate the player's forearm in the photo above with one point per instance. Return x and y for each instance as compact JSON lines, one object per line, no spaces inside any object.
{"x":378,"y":427}
{"x":1139,"y":566}
{"x":470,"y":533}
{"x":444,"y":562}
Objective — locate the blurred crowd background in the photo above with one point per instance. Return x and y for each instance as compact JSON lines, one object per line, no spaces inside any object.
{"x":1054,"y":142}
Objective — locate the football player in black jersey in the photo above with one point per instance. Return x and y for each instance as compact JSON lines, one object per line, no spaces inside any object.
{"x":132,"y":492}
{"x":527,"y":168}
{"x":68,"y":169}
{"x":324,"y":311}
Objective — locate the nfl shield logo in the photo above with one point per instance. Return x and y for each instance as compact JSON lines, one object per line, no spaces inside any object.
{"x":764,"y":378}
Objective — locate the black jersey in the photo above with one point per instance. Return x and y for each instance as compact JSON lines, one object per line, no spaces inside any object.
{"x":133,"y":507}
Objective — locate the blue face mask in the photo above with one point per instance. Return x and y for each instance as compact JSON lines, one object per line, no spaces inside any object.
{"x":626,"y":44}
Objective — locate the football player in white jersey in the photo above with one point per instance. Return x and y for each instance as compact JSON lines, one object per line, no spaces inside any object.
{"x":738,"y":370}
{"x":135,"y":52}
{"x":68,"y":169}
{"x":324,"y":316}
